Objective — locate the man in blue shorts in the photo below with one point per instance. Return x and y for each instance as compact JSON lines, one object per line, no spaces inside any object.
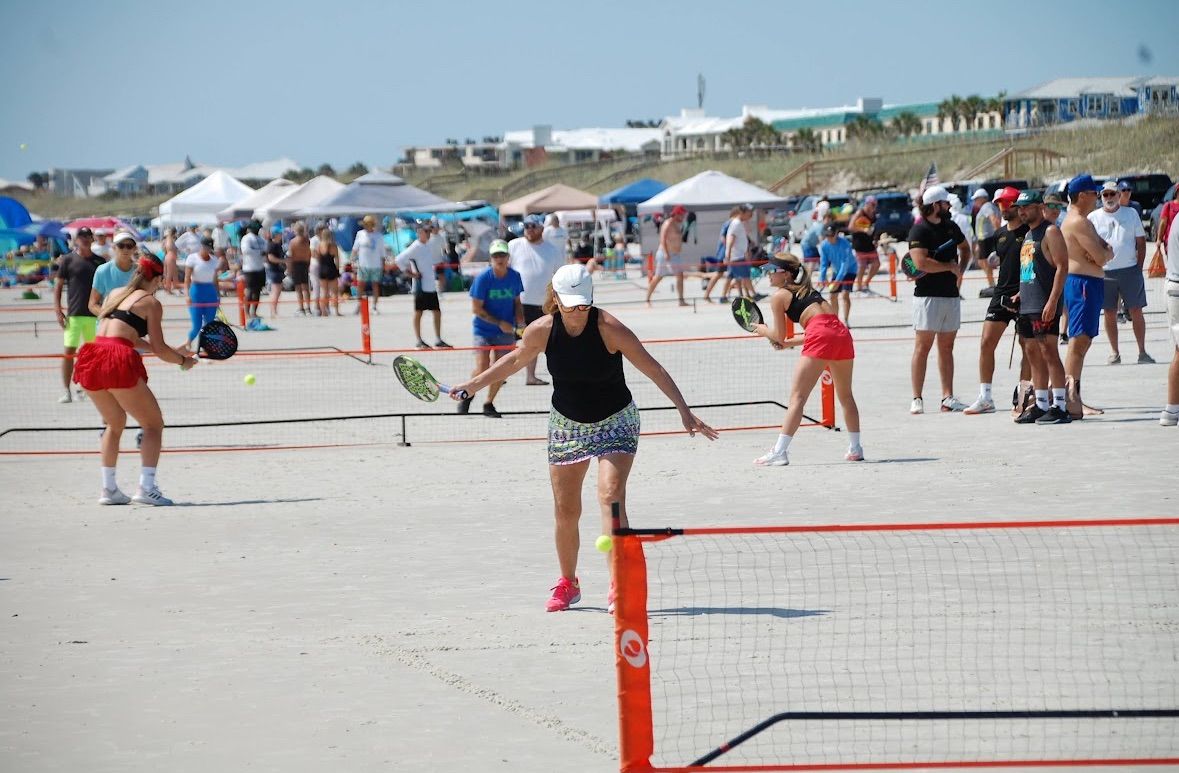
{"x":810,"y":243}
{"x":498,"y":309}
{"x":1084,"y":289}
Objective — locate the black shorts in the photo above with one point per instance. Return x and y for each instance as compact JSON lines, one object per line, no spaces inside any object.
{"x":1031,"y":326}
{"x":254,"y":283}
{"x":998,"y":310}
{"x":532,"y":313}
{"x":300,"y":272}
{"x":276,"y":275}
{"x":843,"y":284}
{"x":986,"y":246}
{"x":425,"y":302}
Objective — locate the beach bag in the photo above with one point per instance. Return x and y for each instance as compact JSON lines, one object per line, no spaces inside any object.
{"x":1157,"y":267}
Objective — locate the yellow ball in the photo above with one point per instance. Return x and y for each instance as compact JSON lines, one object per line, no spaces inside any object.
{"x":249,"y":379}
{"x":604,"y":543}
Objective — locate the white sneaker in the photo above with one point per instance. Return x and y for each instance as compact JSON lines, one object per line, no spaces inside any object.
{"x":952,"y":404}
{"x":66,"y":398}
{"x":81,"y":394}
{"x":917,"y":406}
{"x":772,"y":459}
{"x":112,"y":496}
{"x":854,"y":455}
{"x":153,"y":497}
{"x":981,"y":405}
{"x":1168,"y":419}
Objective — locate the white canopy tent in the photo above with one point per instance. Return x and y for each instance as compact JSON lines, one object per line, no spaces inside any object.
{"x":596,"y":216}
{"x":259,"y":199}
{"x":309,"y":194}
{"x":200,"y":204}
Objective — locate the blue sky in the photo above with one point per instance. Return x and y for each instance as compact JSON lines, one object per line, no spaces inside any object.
{"x":105,"y":84}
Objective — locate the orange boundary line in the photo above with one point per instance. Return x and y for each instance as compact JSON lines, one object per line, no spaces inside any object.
{"x":936,"y":526}
{"x":913,"y":765}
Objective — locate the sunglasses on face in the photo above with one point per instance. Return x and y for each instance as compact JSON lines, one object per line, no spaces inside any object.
{"x":126,"y":245}
{"x":1109,"y":195}
{"x":579,"y":307}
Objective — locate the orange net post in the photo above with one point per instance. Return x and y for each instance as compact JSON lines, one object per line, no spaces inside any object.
{"x":827,"y":387}
{"x":892,"y":274}
{"x":636,"y":730}
{"x":366,"y":341}
{"x":241,"y":301}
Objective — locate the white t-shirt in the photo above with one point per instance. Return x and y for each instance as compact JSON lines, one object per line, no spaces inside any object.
{"x":557,"y":235}
{"x":984,"y":227}
{"x":253,"y":251}
{"x":203,"y":271}
{"x":368,"y":249}
{"x":536,"y":264}
{"x":740,"y":239}
{"x":426,"y":257}
{"x":220,"y":238}
{"x":962,"y":220}
{"x":188,"y":243}
{"x":1119,"y":230}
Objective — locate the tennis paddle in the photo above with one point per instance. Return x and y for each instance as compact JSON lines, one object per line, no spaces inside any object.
{"x":909,"y":268}
{"x":217,"y":341}
{"x":418,"y":381}
{"x":746,"y":313}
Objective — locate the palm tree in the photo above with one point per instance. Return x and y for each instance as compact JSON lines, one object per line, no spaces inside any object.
{"x":358,"y":169}
{"x":807,"y":141}
{"x":950,"y":108}
{"x":865,"y":127}
{"x":972,"y":107}
{"x":326,"y":169}
{"x":906,"y":124}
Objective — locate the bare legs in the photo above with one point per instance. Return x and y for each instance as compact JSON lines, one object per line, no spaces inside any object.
{"x":945,"y":360}
{"x":567,"y":480}
{"x":114,"y":405}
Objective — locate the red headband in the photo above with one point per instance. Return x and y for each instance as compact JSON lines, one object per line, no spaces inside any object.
{"x":150,"y":267}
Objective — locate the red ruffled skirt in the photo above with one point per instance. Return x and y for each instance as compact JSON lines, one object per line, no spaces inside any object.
{"x":108,"y":363}
{"x":827,"y":338}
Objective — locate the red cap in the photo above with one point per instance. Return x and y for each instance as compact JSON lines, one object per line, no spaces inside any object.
{"x":678,"y":209}
{"x":1006,"y":194}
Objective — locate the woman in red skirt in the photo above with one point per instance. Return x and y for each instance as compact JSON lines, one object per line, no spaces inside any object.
{"x":112,"y":373}
{"x":826,"y":343}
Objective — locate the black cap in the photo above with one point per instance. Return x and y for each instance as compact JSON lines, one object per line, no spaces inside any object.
{"x":206,"y":242}
{"x":830,"y":230}
{"x":254,"y":226}
{"x":84,"y":231}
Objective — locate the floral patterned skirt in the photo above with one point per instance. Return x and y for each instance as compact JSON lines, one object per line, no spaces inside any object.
{"x":572,"y":441}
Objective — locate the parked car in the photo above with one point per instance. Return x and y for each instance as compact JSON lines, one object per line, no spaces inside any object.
{"x":1157,"y":212}
{"x":1146,"y":189}
{"x":894,"y":215}
{"x":964,"y":189}
{"x":805,"y":215}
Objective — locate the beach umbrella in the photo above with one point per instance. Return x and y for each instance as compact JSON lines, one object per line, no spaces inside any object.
{"x":107,"y":225}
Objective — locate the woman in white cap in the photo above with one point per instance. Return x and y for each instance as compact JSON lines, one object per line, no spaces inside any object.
{"x":593,"y":415}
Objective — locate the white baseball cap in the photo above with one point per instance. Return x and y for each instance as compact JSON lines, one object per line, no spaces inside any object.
{"x":934,"y":194}
{"x":125,"y":236}
{"x":573,"y":285}
{"x":981,"y":193}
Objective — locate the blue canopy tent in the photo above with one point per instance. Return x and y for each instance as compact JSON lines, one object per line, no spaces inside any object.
{"x":634,"y":193}
{"x":483,"y":212}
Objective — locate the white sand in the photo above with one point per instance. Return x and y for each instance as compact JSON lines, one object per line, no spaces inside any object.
{"x":382,"y":607}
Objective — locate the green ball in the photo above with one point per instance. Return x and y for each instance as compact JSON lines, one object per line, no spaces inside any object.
{"x":604,"y":543}
{"x":249,"y":379}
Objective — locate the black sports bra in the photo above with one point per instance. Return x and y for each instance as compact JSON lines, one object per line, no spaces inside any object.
{"x":137,"y":323}
{"x":799,"y":304}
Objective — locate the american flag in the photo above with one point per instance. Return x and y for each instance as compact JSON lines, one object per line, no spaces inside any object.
{"x":931,"y":178}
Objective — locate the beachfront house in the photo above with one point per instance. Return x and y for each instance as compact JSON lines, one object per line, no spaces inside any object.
{"x":1070,"y":99}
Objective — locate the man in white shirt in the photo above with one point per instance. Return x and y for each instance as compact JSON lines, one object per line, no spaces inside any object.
{"x":986,"y":224}
{"x":253,"y":250}
{"x":369,"y":252}
{"x":420,"y":261}
{"x":536,"y":260}
{"x":556,"y":234}
{"x":188,"y":243}
{"x":1121,"y":228}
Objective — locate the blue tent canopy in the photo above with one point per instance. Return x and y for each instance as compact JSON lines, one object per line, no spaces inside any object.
{"x":634,"y":193}
{"x":13,"y":214}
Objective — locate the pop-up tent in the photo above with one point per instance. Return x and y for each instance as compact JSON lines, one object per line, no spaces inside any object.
{"x":263,"y":197}
{"x":550,"y":199}
{"x":634,"y":193}
{"x":200,"y":204}
{"x":376,"y":193}
{"x":710,"y":191}
{"x":310,"y":193}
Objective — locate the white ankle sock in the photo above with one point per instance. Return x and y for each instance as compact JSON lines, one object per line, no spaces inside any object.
{"x":108,"y":479}
{"x":1058,"y":397}
{"x":147,"y":478}
{"x":854,"y":440}
{"x":984,"y":391}
{"x":1042,"y":399}
{"x":783,"y":444}
{"x":1172,"y":407}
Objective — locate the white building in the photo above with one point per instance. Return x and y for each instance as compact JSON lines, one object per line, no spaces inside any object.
{"x":540,"y":143}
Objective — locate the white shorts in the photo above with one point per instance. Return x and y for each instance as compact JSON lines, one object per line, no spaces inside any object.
{"x":937,"y":315}
{"x":1173,"y":310}
{"x":666,"y":266}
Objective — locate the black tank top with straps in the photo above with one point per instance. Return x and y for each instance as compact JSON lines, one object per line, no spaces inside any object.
{"x":588,"y":383}
{"x":137,"y":323}
{"x":799,"y":304}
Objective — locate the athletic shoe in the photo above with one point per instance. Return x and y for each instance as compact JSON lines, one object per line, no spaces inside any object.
{"x":1064,"y":339}
{"x":80,"y":394}
{"x":952,"y":404}
{"x":1055,"y":415}
{"x":987,"y":292}
{"x":440,"y":344}
{"x":66,"y":398}
{"x":1031,"y":415}
{"x":854,"y":455}
{"x":464,"y":406}
{"x":112,"y":496}
{"x":772,"y":459}
{"x":981,"y":405}
{"x":1145,"y":359}
{"x":917,"y":406}
{"x":565,"y":594}
{"x":490,"y":412}
{"x":1168,"y":419}
{"x":610,"y":598}
{"x":153,"y":497}
{"x":422,"y":344}
{"x":1114,"y":359}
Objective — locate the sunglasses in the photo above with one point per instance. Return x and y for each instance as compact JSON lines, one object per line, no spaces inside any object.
{"x":1109,"y":194}
{"x":126,"y":245}
{"x":532,"y":225}
{"x":579,"y":307}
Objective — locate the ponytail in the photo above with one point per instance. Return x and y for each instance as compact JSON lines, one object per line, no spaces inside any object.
{"x":798,"y":276}
{"x":148,"y":269}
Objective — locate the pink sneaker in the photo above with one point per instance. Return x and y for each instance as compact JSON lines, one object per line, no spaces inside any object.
{"x":854,"y":455}
{"x":610,"y":599}
{"x":565,"y":594}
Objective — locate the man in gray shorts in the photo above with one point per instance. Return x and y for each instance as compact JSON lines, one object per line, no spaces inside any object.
{"x":667,"y":258}
{"x":938,"y":248}
{"x":1122,"y":229}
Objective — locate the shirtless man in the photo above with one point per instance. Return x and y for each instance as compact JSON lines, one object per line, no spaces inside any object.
{"x":299,"y":263}
{"x":667,"y":257}
{"x":1084,"y":290}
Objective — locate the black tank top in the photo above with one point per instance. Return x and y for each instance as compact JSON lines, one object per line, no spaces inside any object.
{"x":588,"y":384}
{"x":137,"y":323}
{"x":799,"y":304}
{"x":1036,"y":272}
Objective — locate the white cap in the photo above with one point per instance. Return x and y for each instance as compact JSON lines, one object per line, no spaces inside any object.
{"x":1109,"y":185}
{"x":822,"y":207}
{"x":934,"y":194}
{"x":573,"y":285}
{"x":981,"y":193}
{"x":123,"y":236}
